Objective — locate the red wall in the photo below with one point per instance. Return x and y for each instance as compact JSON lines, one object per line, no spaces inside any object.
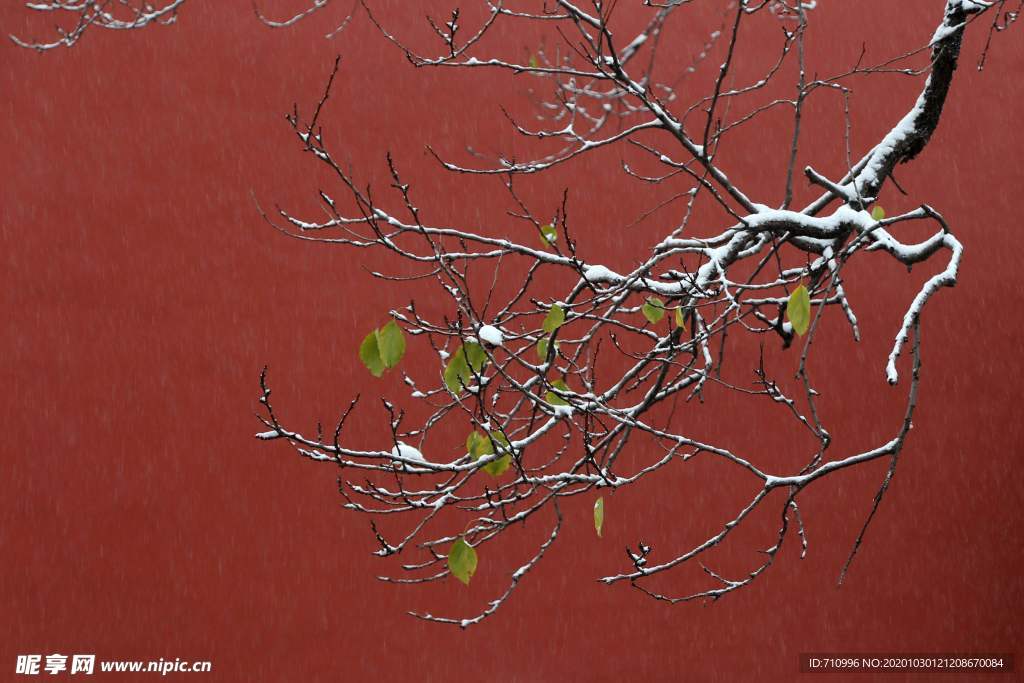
{"x":142,"y":295}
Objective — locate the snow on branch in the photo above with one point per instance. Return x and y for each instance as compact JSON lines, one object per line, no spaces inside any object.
{"x":116,"y":15}
{"x":79,"y":16}
{"x":562,"y":390}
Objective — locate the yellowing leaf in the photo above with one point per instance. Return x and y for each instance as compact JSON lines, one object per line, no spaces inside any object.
{"x":391,"y":344}
{"x":680,"y":322}
{"x":462,"y":561}
{"x":878,"y":213}
{"x":653,"y":309}
{"x":548,"y":235}
{"x":499,"y":466}
{"x":500,"y":439}
{"x":554,"y":319}
{"x":369,"y":353}
{"x":542,"y":349}
{"x":478,"y":445}
{"x":599,"y":515}
{"x":553,"y":398}
{"x":798,"y":310}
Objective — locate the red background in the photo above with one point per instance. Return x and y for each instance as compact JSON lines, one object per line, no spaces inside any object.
{"x":142,"y":295}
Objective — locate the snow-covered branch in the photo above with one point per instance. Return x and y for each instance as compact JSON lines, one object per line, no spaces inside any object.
{"x":571,"y":390}
{"x":77,"y":17}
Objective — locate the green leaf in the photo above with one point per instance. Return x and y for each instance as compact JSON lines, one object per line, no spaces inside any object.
{"x":462,"y":561}
{"x":479,"y":445}
{"x":798,"y":310}
{"x":469,"y":359}
{"x":533,"y":61}
{"x":391,"y":344}
{"x":680,"y":322}
{"x":456,"y":373}
{"x":653,"y":309}
{"x":500,"y":439}
{"x":476,"y":357}
{"x":542,"y":348}
{"x":553,"y":398}
{"x":548,"y":235}
{"x":498,"y":467}
{"x":878,"y":213}
{"x":369,"y":353}
{"x":383,"y":348}
{"x":599,"y":515}
{"x":555,"y":319}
